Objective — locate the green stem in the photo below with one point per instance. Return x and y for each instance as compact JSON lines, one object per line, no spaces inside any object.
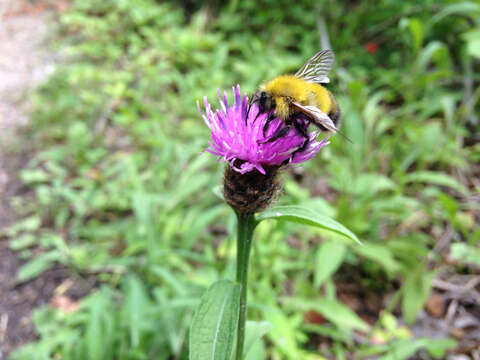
{"x":246,"y":225}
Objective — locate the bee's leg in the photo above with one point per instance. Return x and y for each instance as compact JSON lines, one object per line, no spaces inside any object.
{"x":260,"y":111}
{"x":250,"y":103}
{"x":280,"y":133}
{"x":270,"y":118}
{"x":302,"y":131}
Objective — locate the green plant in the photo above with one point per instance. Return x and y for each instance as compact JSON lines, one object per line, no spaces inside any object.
{"x":118,"y":189}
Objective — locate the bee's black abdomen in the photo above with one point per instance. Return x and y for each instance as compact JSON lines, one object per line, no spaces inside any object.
{"x":335,"y":114}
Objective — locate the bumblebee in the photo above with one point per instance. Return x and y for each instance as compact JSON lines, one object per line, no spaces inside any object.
{"x":300,"y":99}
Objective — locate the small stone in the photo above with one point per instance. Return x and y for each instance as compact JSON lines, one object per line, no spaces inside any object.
{"x":435,"y":305}
{"x":457,"y":333}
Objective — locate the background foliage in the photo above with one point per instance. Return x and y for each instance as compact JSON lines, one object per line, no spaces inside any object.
{"x":119,"y":189}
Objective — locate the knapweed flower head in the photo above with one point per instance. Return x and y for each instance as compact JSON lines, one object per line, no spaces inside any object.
{"x":238,"y":137}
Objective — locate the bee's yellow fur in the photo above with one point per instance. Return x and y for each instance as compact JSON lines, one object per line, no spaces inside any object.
{"x":287,"y":88}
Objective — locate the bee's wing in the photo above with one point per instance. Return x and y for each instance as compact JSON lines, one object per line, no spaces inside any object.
{"x":316,"y":68}
{"x":317,"y":117}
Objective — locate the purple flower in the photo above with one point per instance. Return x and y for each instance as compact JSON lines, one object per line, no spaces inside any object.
{"x":234,"y":137}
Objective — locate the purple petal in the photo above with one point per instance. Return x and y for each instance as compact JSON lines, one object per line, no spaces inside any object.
{"x":234,"y":137}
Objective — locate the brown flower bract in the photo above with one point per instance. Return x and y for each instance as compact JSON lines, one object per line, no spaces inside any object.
{"x":250,"y":192}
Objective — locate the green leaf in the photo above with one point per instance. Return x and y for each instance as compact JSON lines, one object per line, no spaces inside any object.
{"x":438,"y":347}
{"x":302,"y":215}
{"x":169,"y":278}
{"x":254,"y":332}
{"x":37,"y":266}
{"x":94,"y":331}
{"x":319,"y":205}
{"x":136,"y":306}
{"x":257,"y":352}
{"x":332,"y":310}
{"x":404,"y":349}
{"x":29,"y":224}
{"x":339,"y":314}
{"x":23,"y":241}
{"x":434,"y":51}
{"x":283,"y":332}
{"x":370,"y":184}
{"x":473,"y":48}
{"x":467,"y":8}
{"x":415,"y":291}
{"x":380,"y":254}
{"x":214,"y":325}
{"x":417,"y":31}
{"x":436,"y":178}
{"x":465,"y":253}
{"x":473,"y":42}
{"x":34,"y":176}
{"x":329,"y":257}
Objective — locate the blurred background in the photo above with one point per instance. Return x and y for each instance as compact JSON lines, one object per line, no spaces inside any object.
{"x":110,"y":229}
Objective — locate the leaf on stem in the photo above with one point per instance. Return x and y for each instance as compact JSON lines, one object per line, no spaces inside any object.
{"x":302,"y":215}
{"x":213,"y":330}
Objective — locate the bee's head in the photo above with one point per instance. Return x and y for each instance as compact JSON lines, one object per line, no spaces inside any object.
{"x":265,"y":101}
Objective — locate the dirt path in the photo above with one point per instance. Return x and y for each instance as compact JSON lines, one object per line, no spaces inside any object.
{"x":24,"y":62}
